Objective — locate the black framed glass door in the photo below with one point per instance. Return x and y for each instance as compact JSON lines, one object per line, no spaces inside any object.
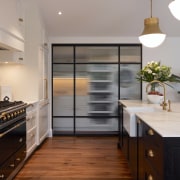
{"x":88,"y":81}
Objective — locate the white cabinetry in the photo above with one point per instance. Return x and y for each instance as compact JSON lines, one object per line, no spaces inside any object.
{"x":36,"y":54}
{"x":11,"y":56}
{"x":37,"y":126}
{"x":43,"y":73}
{"x":43,"y":124}
{"x":12,"y":25}
{"x":31,"y":128}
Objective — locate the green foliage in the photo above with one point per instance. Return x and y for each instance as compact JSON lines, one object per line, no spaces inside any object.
{"x":156,"y":71}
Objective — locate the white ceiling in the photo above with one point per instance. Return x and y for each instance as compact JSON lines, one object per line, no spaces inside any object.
{"x":105,"y":17}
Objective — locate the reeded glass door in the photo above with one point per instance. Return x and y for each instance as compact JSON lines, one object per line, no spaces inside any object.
{"x":63,"y":89}
{"x":63,"y":98}
{"x":88,"y":81}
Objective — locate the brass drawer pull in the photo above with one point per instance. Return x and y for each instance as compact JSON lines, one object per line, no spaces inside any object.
{"x":150,"y":153}
{"x":12,"y":165}
{"x":150,"y":132}
{"x":2,"y":176}
{"x":150,"y":177}
{"x":18,"y":159}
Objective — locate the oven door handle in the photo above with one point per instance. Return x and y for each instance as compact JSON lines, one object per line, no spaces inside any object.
{"x":9,"y":130}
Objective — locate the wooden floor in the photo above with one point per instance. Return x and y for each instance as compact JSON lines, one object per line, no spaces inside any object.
{"x":78,"y":158}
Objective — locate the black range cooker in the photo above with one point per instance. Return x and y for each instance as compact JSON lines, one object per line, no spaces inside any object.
{"x":12,"y":137}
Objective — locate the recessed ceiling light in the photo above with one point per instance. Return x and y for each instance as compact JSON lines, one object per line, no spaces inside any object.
{"x":59,"y":12}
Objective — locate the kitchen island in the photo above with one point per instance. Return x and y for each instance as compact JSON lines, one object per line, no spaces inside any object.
{"x":156,"y":145}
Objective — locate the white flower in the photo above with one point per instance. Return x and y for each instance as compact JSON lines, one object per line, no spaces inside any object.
{"x":149,"y":71}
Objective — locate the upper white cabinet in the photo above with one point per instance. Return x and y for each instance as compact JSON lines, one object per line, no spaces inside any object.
{"x":11,"y":56}
{"x":12,"y":25}
{"x":36,"y":53}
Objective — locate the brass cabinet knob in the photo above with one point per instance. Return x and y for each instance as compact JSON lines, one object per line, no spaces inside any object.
{"x":150,"y":177}
{"x":150,"y":132}
{"x":18,"y":159}
{"x":150,"y":153}
{"x":12,"y":165}
{"x":2,"y":176}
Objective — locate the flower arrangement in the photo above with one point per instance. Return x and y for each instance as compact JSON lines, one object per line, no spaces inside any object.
{"x":155,"y":71}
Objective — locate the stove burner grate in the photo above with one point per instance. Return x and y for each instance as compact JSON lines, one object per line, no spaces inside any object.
{"x":6,"y":104}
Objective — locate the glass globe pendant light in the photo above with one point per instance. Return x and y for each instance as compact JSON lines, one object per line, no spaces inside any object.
{"x":152,"y":36}
{"x":174,"y":7}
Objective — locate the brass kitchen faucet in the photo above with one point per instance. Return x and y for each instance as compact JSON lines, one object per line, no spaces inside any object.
{"x":163,"y":104}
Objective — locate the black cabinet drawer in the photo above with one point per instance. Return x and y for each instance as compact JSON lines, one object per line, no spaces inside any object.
{"x":158,"y":157}
{"x":20,"y":156}
{"x":154,"y":155}
{"x":149,"y":174}
{"x":151,"y":137}
{"x":12,"y":163}
{"x":7,"y":168}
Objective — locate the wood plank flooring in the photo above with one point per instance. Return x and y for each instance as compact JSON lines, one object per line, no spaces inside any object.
{"x":77,"y":158}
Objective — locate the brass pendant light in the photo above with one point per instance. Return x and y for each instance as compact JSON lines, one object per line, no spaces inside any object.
{"x":152,"y":35}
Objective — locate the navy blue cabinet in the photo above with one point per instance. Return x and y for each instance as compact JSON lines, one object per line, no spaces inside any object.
{"x":158,"y":157}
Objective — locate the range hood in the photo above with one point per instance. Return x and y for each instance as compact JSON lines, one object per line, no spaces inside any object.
{"x":9,"y":41}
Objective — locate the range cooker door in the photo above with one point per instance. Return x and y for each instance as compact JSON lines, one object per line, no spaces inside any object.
{"x":12,"y":138}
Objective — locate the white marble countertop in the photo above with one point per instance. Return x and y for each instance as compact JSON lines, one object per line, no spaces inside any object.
{"x":167,"y":124}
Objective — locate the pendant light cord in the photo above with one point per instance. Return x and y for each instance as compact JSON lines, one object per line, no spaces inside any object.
{"x":151,"y":8}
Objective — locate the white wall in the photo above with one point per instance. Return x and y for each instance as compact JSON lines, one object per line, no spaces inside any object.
{"x":167,"y":53}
